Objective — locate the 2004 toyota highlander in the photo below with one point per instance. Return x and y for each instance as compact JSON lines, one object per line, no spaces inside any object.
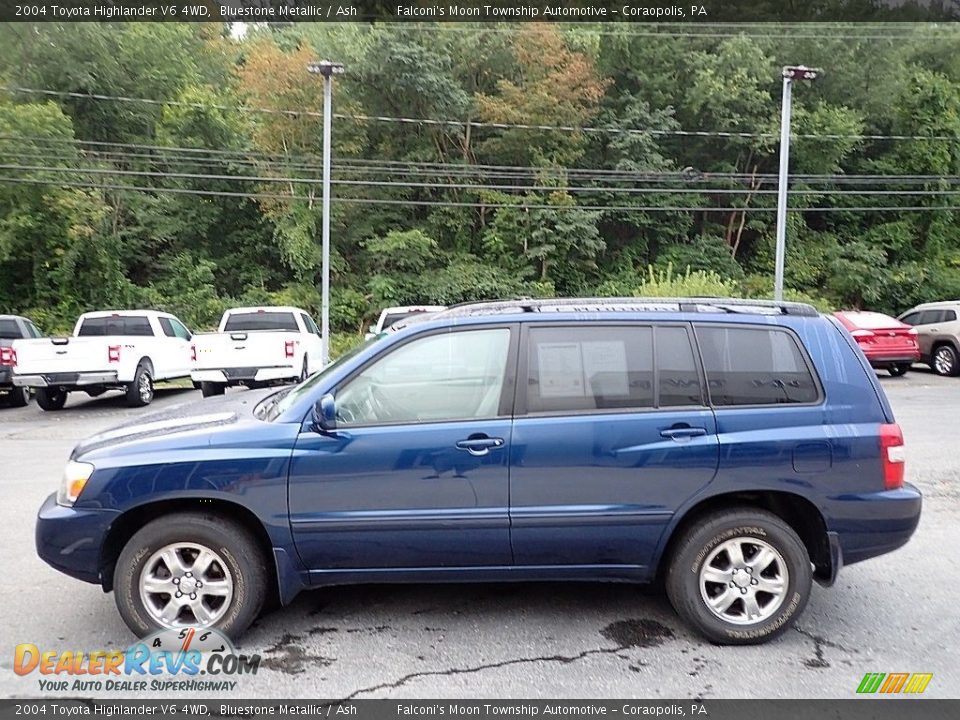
{"x":735,"y":449}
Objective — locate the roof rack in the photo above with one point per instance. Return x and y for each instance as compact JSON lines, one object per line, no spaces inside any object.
{"x":631,"y":304}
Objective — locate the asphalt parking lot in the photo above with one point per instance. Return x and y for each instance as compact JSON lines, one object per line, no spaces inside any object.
{"x":898,"y":613}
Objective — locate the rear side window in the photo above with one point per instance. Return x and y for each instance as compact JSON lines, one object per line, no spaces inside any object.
{"x":949,"y":316}
{"x":166,"y":326}
{"x":135,"y":325}
{"x":309,"y":324}
{"x":9,"y":330}
{"x":252,"y":321}
{"x":589,"y":368}
{"x":754,"y":366}
{"x":929,"y":317}
{"x":677,"y":377}
{"x":34,"y":330}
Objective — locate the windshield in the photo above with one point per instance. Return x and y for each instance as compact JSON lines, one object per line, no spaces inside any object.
{"x":277,"y":404}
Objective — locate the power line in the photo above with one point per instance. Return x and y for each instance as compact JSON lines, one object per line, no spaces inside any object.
{"x":471,"y":123}
{"x":464,"y":186}
{"x":439,"y":203}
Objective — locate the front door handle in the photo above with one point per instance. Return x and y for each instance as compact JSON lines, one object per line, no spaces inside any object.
{"x":682,"y":432}
{"x":479,"y":445}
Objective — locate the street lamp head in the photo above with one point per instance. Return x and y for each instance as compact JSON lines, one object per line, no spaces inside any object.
{"x":801,"y":72}
{"x":325,"y":68}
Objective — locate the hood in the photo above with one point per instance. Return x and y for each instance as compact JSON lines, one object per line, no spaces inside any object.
{"x":184,"y":418}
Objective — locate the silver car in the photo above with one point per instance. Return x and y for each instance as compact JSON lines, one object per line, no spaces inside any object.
{"x":938,"y":331}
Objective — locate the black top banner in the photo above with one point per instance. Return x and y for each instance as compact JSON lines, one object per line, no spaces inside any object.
{"x":648,"y":11}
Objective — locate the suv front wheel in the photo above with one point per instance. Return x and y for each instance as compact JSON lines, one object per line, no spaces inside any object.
{"x":739,"y":577}
{"x":190,"y":570}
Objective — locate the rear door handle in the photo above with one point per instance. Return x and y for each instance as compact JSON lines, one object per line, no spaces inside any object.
{"x":479,"y":446}
{"x":681,"y":433}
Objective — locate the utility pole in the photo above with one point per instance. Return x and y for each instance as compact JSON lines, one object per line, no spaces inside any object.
{"x":790,"y":73}
{"x":328,"y":70}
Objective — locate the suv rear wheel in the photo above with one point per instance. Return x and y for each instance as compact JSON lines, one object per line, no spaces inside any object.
{"x":945,"y":361}
{"x":739,"y":576}
{"x":190,"y":570}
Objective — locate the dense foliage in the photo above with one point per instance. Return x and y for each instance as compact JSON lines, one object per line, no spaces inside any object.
{"x":209,"y":195}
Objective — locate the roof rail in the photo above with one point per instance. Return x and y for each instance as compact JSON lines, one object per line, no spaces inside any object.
{"x":630,"y":304}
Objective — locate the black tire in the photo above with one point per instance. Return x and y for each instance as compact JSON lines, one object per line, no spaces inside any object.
{"x":695,"y":549}
{"x":210,"y":389}
{"x":945,"y":361}
{"x":51,"y":398}
{"x":196,"y":385}
{"x":899,"y":370}
{"x":304,"y":374}
{"x":140,"y":391}
{"x":18,"y":397}
{"x":230,"y":541}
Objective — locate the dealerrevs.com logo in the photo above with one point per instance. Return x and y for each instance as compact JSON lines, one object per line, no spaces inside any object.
{"x":184,"y":660}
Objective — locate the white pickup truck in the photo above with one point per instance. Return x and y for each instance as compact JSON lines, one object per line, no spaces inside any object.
{"x":392,"y":315}
{"x":257,"y":346}
{"x":114,"y":350}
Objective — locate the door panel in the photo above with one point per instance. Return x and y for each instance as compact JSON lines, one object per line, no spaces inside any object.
{"x":599,"y":489}
{"x":616,"y":438}
{"x":407,"y":496}
{"x":417,"y":472}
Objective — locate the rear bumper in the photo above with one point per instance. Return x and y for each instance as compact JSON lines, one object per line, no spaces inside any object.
{"x":872,"y":524}
{"x":245,"y":374}
{"x":66,"y":379}
{"x":70,"y":539}
{"x":884,"y":360}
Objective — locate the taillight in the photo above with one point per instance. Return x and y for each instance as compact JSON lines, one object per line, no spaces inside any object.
{"x":892,"y":455}
{"x":912,"y":331}
{"x":193,"y":353}
{"x":863,"y":336}
{"x":113,"y":353}
{"x":8,"y":357}
{"x":288,"y":348}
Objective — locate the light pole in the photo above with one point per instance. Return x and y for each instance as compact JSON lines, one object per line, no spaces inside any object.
{"x":790,"y":73}
{"x":328,"y":70}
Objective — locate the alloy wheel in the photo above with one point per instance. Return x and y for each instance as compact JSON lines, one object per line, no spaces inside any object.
{"x":744,"y":581}
{"x":186,"y":585}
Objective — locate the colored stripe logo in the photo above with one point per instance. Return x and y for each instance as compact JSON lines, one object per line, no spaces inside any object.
{"x":892,"y":683}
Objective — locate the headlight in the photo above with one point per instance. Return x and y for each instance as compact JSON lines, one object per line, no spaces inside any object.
{"x":75,"y":476}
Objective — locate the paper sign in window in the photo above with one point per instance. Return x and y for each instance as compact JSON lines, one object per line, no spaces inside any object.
{"x":605,"y":368}
{"x":561,"y":370}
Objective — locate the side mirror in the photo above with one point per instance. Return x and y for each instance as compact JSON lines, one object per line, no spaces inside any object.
{"x":325,"y":414}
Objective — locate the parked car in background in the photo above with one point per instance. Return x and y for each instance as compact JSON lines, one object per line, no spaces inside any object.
{"x":392,"y":315}
{"x":888,"y":343}
{"x":256,"y":346}
{"x":13,"y":327}
{"x":736,"y":449}
{"x":938,"y":330}
{"x":126,"y":350}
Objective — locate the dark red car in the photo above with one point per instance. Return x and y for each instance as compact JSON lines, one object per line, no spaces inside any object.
{"x":888,"y":343}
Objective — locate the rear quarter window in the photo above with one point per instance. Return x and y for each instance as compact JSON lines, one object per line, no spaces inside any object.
{"x":755,"y":366}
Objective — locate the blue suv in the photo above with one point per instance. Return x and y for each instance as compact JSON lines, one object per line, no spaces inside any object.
{"x":735,"y":450}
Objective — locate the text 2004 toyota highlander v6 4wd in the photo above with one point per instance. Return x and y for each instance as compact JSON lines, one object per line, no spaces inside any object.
{"x":736,"y":449}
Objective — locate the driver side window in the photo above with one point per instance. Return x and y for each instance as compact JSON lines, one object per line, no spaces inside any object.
{"x":451,"y":376}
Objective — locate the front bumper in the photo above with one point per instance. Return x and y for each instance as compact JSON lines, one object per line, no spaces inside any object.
{"x":66,"y":379}
{"x":70,"y":539}
{"x":245,"y":374}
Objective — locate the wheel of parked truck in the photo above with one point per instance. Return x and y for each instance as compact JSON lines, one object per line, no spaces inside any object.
{"x":18,"y":397}
{"x":899,"y":369}
{"x":140,"y":391}
{"x":304,"y":374}
{"x":945,"y":361}
{"x":190,"y":569}
{"x":739,"y":576}
{"x":51,"y":398}
{"x":209,"y":389}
